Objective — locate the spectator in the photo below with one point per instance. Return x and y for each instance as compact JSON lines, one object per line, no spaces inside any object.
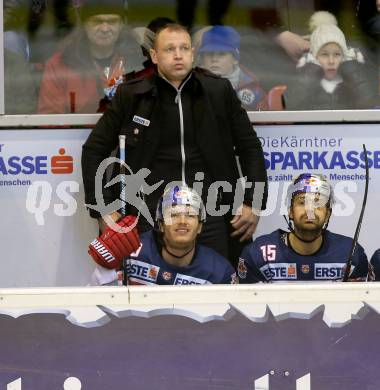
{"x":20,"y":91}
{"x":216,"y":10}
{"x":76,"y":77}
{"x":369,"y":15}
{"x":15,"y":37}
{"x":220,"y":54}
{"x":188,"y":126}
{"x":147,"y":44}
{"x":265,"y":17}
{"x":146,"y":38}
{"x":269,"y":48}
{"x":62,"y":22}
{"x":170,"y":254}
{"x":331,"y":76}
{"x":309,"y":251}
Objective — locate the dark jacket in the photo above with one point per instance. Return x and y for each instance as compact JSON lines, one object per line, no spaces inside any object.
{"x":223,"y":130}
{"x":356,"y":91}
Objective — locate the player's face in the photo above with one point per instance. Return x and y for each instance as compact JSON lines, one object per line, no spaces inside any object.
{"x":221,"y":63}
{"x":103,"y":30}
{"x":181,"y":226}
{"x":330,"y":56}
{"x":173,"y":55}
{"x":309,"y":213}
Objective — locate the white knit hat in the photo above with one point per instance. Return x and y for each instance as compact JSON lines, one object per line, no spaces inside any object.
{"x":321,"y":17}
{"x":324,"y":31}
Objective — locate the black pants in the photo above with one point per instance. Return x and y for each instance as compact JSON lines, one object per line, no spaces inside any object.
{"x":216,"y":234}
{"x":216,"y":9}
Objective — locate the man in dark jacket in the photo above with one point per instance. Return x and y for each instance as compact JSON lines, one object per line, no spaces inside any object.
{"x":185,"y":126}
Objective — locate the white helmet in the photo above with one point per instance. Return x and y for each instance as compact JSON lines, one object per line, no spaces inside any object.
{"x":180,"y":195}
{"x":311,"y":183}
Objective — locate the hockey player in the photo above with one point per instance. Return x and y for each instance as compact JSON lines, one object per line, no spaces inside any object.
{"x":308,"y":251}
{"x":375,"y":262}
{"x":169,"y":254}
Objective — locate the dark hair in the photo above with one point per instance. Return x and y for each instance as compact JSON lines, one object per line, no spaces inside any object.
{"x":174,"y":27}
{"x":159,"y":22}
{"x":154,"y":25}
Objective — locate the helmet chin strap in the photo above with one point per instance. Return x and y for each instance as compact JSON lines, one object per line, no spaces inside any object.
{"x":177,"y":257}
{"x":324,"y":228}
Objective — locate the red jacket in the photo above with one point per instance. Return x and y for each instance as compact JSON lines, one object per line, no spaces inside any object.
{"x":67,"y":90}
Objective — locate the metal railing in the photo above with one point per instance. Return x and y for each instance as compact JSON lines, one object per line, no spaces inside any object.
{"x":256,"y":117}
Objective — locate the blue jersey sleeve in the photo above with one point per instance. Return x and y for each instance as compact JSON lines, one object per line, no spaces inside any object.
{"x":361,"y":266}
{"x":248,"y":270}
{"x":375,"y":262}
{"x":230,"y":276}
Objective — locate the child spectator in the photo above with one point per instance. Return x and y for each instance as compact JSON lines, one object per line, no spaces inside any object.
{"x":220,"y":54}
{"x":331,"y":75}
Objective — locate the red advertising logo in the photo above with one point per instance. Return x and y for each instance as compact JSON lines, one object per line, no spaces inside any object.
{"x":61,"y":164}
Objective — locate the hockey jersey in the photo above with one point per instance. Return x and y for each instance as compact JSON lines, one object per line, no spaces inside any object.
{"x":269,"y":258}
{"x":375,"y":261}
{"x":146,"y":266}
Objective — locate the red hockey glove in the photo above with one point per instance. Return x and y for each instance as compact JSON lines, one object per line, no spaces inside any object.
{"x":112,"y":246}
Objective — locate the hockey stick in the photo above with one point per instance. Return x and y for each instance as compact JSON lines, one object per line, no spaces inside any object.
{"x":122,"y":171}
{"x":356,"y":236}
{"x":121,"y":277}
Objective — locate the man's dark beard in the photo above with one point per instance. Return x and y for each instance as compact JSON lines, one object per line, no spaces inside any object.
{"x":309,"y":235}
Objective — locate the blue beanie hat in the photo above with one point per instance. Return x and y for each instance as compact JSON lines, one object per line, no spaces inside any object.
{"x":221,"y":38}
